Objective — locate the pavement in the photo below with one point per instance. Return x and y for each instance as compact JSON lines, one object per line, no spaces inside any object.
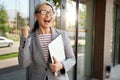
{"x":6,"y":50}
{"x":115,"y":73}
{"x":14,"y":75}
{"x":8,"y":62}
{"x":11,"y":71}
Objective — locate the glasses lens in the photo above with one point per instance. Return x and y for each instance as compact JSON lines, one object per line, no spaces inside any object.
{"x":51,"y":13}
{"x":43,"y":12}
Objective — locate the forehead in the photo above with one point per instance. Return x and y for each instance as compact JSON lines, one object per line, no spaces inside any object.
{"x":45,"y":6}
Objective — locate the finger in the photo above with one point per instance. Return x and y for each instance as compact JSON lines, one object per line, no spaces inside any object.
{"x":25,"y":31}
{"x":52,"y":67}
{"x":54,"y":60}
{"x":28,"y":28}
{"x":25,"y":27}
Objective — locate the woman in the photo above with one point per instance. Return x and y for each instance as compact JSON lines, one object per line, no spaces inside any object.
{"x":33,"y":50}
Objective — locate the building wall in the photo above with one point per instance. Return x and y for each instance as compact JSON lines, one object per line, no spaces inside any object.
{"x":108,"y":30}
{"x":102,"y":37}
{"x":108,"y":33}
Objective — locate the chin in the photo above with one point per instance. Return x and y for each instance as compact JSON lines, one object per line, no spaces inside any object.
{"x":46,"y":26}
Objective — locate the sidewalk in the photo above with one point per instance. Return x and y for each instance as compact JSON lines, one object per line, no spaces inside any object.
{"x":8,"y":62}
{"x":20,"y":74}
{"x":9,"y":70}
{"x":115,"y":73}
{"x":14,"y":75}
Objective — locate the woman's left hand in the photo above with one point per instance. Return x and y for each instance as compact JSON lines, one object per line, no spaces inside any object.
{"x":56,"y":65}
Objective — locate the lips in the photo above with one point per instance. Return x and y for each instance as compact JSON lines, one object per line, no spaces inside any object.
{"x":47,"y":22}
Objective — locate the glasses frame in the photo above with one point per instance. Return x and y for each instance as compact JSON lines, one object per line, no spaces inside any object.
{"x":44,"y":12}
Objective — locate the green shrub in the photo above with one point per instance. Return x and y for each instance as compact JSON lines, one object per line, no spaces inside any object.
{"x":9,"y":55}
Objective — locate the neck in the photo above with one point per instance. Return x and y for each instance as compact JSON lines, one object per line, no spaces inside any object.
{"x":44,"y":30}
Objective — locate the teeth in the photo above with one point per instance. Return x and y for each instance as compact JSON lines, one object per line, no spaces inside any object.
{"x":46,"y":20}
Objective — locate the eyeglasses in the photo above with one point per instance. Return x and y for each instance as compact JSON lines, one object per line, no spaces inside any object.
{"x":44,"y":12}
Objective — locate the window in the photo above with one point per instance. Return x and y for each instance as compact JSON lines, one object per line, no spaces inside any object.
{"x":13,"y":15}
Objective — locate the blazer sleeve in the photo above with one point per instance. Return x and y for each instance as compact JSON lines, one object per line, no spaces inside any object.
{"x":70,"y":58}
{"x":24,"y":56}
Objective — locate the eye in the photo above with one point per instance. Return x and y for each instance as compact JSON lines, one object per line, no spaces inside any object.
{"x":51,"y":12}
{"x":43,"y":12}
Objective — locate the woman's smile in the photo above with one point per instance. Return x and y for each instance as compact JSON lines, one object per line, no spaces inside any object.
{"x":47,"y":21}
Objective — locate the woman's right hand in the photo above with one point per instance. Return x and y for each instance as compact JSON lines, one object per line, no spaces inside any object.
{"x":25,"y":31}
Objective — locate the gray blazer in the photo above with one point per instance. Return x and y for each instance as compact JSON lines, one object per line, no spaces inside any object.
{"x":31,"y":57}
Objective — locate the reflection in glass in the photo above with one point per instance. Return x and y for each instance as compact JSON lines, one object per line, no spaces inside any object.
{"x":84,"y":36}
{"x":13,"y":15}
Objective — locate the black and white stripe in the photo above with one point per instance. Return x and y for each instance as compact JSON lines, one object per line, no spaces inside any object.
{"x":45,"y":39}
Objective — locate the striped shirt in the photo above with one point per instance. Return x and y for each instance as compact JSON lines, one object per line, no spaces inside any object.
{"x":45,"y":39}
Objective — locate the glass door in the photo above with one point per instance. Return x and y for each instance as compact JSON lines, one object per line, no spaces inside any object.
{"x":84,"y":32}
{"x":116,"y":36}
{"x":13,"y":15}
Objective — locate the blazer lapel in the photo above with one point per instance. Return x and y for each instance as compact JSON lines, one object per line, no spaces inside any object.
{"x":54,"y":33}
